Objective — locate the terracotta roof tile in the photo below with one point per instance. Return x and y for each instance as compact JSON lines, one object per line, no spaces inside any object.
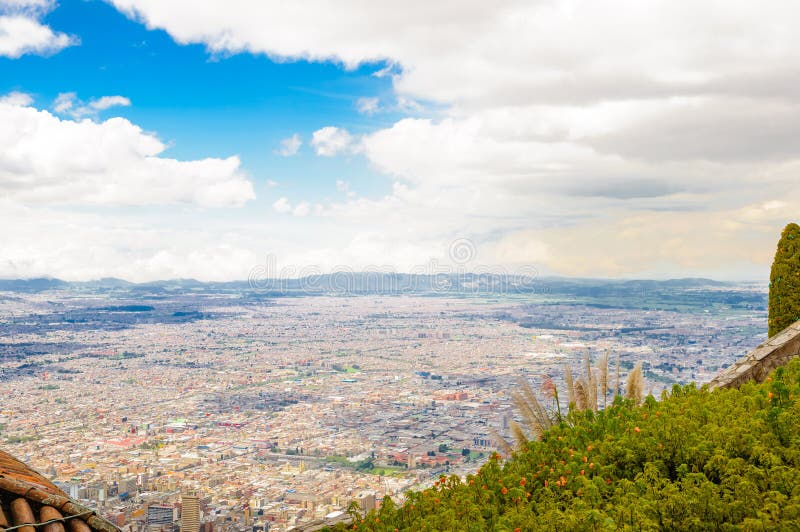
{"x":27,"y":498}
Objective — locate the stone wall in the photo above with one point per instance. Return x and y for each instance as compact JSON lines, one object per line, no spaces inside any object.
{"x":775,"y":352}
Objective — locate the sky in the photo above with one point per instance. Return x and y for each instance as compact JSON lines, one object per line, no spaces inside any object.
{"x":159,"y":139}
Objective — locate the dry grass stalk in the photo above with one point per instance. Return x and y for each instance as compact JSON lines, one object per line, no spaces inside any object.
{"x":634,"y":388}
{"x":616,"y":384}
{"x":519,"y":435}
{"x":570,"y":384}
{"x":501,"y":442}
{"x":593,"y":391}
{"x":581,"y":400}
{"x":603,"y":363}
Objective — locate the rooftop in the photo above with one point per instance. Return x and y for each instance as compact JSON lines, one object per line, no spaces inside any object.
{"x":28,"y":501}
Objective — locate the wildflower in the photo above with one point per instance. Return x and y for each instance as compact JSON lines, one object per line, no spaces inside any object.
{"x":637,"y":429}
{"x":504,"y":490}
{"x":523,"y":481}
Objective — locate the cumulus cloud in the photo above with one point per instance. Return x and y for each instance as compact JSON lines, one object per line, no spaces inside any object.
{"x":330,"y":141}
{"x":367,"y":106}
{"x":105,"y":102}
{"x":290,"y":146}
{"x":21,"y":31}
{"x":563,"y":122}
{"x":16,"y":98}
{"x":67,"y":103}
{"x":282,"y":205}
{"x":48,"y":160}
{"x":302,"y":209}
{"x":80,"y":246}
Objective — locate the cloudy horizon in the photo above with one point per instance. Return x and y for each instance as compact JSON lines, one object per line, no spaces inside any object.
{"x":149,"y":140}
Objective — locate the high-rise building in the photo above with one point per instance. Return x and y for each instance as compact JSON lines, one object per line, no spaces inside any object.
{"x":190,"y":513}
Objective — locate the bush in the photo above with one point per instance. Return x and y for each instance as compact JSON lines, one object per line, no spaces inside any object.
{"x":784,"y":281}
{"x":695,"y":460}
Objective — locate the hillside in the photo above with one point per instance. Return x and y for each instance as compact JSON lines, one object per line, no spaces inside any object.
{"x":693,"y":460}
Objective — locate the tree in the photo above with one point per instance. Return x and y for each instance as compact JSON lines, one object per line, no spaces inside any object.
{"x":784,"y":281}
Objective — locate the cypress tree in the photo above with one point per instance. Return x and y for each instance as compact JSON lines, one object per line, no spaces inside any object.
{"x":784,"y":281}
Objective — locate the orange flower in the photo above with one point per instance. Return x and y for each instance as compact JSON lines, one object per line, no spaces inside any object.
{"x":582,"y":472}
{"x":522,"y":481}
{"x":546,"y":483}
{"x":504,"y":490}
{"x":770,"y":395}
{"x":637,"y":429}
{"x":591,"y":465}
{"x":585,"y":458}
{"x":588,"y":448}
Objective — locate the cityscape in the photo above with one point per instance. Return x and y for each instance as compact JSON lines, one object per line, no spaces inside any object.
{"x":275,"y":412}
{"x":450,"y":266}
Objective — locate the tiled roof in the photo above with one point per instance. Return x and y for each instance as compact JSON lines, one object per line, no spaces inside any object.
{"x":28,"y":501}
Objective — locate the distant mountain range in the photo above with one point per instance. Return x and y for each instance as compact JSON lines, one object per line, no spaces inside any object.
{"x":683,"y":295}
{"x":367,"y":282}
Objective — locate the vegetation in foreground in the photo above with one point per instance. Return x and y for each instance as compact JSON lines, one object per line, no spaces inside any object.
{"x":695,"y":460}
{"x":784,"y":281}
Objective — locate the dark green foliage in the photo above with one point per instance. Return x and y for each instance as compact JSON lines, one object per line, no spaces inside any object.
{"x":695,"y":460}
{"x":784,"y":281}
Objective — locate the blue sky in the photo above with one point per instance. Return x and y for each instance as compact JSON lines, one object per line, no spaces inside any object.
{"x":205,"y":104}
{"x":146,"y":139}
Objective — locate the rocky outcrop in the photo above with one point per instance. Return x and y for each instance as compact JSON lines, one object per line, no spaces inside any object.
{"x":775,"y":352}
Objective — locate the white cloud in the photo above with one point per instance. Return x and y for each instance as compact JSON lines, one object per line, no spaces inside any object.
{"x":302,"y":209}
{"x":290,"y":146}
{"x":22,"y":33}
{"x":109,"y":101}
{"x":566,"y":123}
{"x":47,"y":160}
{"x":282,"y":205}
{"x":367,"y":106}
{"x":64,"y":102}
{"x":71,"y":245}
{"x":16,"y":98}
{"x":330,"y":141}
{"x":344,"y":187}
{"x":67,"y":103}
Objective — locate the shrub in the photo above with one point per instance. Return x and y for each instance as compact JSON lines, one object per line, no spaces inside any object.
{"x":784,"y":281}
